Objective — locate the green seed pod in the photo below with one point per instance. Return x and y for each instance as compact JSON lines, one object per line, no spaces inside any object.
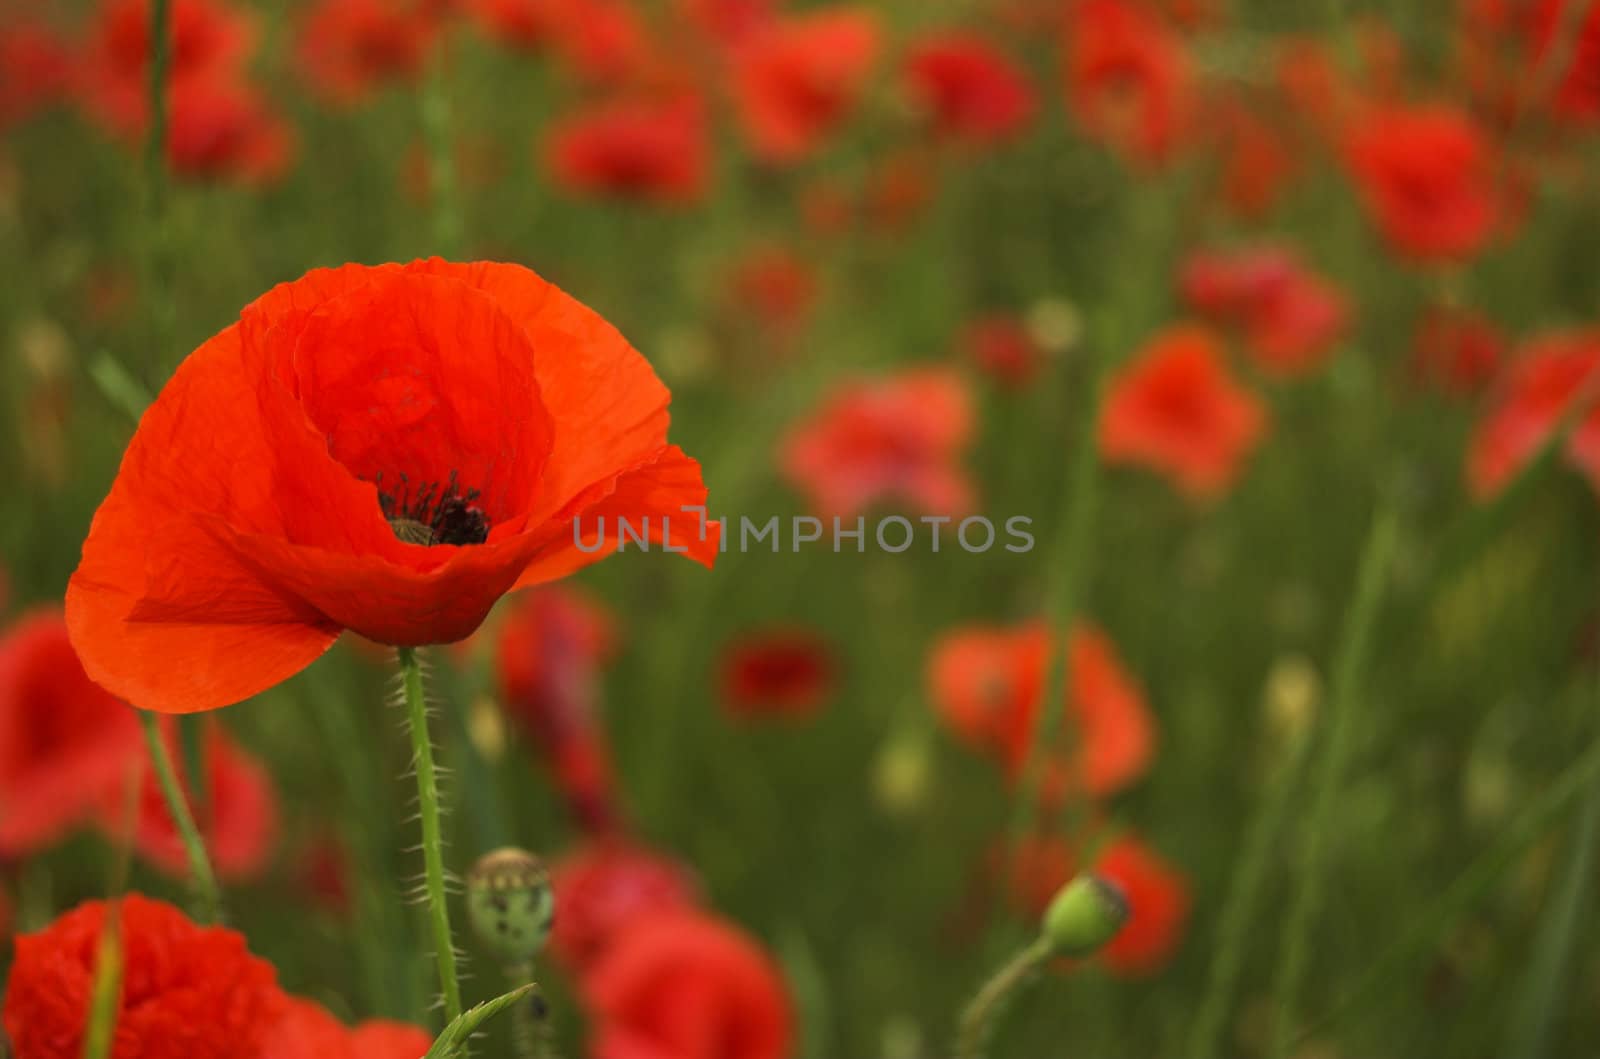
{"x":510,"y":904}
{"x":1084,"y":915}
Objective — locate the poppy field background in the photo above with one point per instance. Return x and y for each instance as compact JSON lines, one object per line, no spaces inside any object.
{"x":1280,"y":324}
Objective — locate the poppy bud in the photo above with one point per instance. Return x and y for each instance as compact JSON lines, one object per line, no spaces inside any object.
{"x":510,"y":904}
{"x":1085,"y":914}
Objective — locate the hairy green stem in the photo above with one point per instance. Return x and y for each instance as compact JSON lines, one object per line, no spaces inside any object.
{"x":201,"y":878}
{"x":444,"y":951}
{"x":980,"y":1016}
{"x":1350,"y":668}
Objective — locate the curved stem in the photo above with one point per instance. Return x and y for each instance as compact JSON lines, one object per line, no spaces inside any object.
{"x":444,"y":951}
{"x":979,"y":1018}
{"x":200,"y":875}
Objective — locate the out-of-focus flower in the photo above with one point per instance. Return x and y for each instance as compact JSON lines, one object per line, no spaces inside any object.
{"x":897,"y":437}
{"x":548,"y":654}
{"x":1128,"y":78}
{"x":654,"y":150}
{"x":601,"y":42}
{"x":1509,"y":47}
{"x":1290,"y":316}
{"x":1004,"y":347}
{"x":727,"y":22}
{"x":1545,"y":377}
{"x":65,"y":742}
{"x":1256,"y":159}
{"x":777,"y":673}
{"x":1577,"y":88}
{"x":1158,"y":906}
{"x":323,"y":872}
{"x":224,"y":129}
{"x":282,"y":488}
{"x":239,"y":817}
{"x":1426,"y":176}
{"x":968,"y":88}
{"x":188,"y":992}
{"x":525,"y":25}
{"x":605,"y":890}
{"x":689,"y":986}
{"x":799,"y":77}
{"x":1174,"y":409}
{"x":1458,"y":350}
{"x":307,"y":1031}
{"x":987,"y":685}
{"x":900,"y":187}
{"x":775,"y":286}
{"x":36,"y":71}
{"x":348,"y":48}
{"x":211,"y":41}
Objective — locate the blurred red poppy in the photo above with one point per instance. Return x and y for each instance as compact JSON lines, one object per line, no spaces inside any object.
{"x":1174,"y":409}
{"x":224,"y":129}
{"x":798,"y":78}
{"x":601,"y":42}
{"x":1128,"y":78}
{"x":211,"y":41}
{"x":188,"y":992}
{"x":970,"y":89}
{"x":690,"y":987}
{"x":307,"y":1031}
{"x":898,"y":437}
{"x":654,"y":150}
{"x":1545,"y":377}
{"x":987,"y":685}
{"x":1458,"y":350}
{"x":728,"y":22}
{"x":786,"y":672}
{"x":1290,"y":316}
{"x":1257,"y":160}
{"x":348,"y":48}
{"x":1158,"y":906}
{"x":525,"y":25}
{"x":1003,"y":347}
{"x":605,"y":890}
{"x":65,"y":742}
{"x":281,"y":488}
{"x":1426,"y":176}
{"x":775,"y":286}
{"x":36,"y":70}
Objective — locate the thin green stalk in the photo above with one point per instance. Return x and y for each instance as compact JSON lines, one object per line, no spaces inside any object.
{"x":436,"y":125}
{"x":980,"y":1017}
{"x":1349,"y":676}
{"x":201,"y":877}
{"x":155,"y":181}
{"x":1243,"y":903}
{"x":530,"y":1020}
{"x":106,"y":989}
{"x":444,"y":951}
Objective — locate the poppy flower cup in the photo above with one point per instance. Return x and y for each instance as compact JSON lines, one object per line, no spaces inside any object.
{"x":383,"y":449}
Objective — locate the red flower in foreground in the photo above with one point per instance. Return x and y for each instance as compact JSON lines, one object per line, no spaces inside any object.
{"x":970,"y":89}
{"x":607,"y":889}
{"x":307,"y":1031}
{"x":1457,"y":349}
{"x":1127,"y":78}
{"x":65,"y":742}
{"x":188,"y":992}
{"x":652,"y":150}
{"x":35,"y":71}
{"x":987,"y":685}
{"x":798,"y":78}
{"x":349,"y":47}
{"x":778,"y":673}
{"x":385,"y":449}
{"x":1290,"y":316}
{"x":1174,"y":409}
{"x":690,"y":987}
{"x":895,"y":437}
{"x":1158,"y":906}
{"x":1545,"y":378}
{"x":1426,"y":175}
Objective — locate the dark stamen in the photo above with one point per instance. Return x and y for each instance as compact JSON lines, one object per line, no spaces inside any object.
{"x":433,"y":515}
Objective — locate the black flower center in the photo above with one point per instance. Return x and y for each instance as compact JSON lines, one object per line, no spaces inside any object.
{"x":433,"y":514}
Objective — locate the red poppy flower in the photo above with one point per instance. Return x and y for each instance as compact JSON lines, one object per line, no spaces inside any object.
{"x":1158,"y":906}
{"x":970,"y":89}
{"x":347,"y":48}
{"x":600,"y":41}
{"x":1458,"y":350}
{"x":1128,"y":78}
{"x":1537,"y":33}
{"x":899,"y":190}
{"x":324,"y":874}
{"x":652,"y":150}
{"x":1256,"y":159}
{"x":35,"y":71}
{"x":1545,"y":378}
{"x":1003,"y":347}
{"x":605,"y":890}
{"x":385,"y":449}
{"x":239,"y":818}
{"x":1291,"y":317}
{"x":899,"y":436}
{"x":525,"y":25}
{"x":690,"y":987}
{"x":210,"y":41}
{"x":224,"y":129}
{"x":307,"y":1031}
{"x":188,"y":992}
{"x":1577,"y":90}
{"x":1174,"y":409}
{"x":1426,"y":175}
{"x":777,"y":673}
{"x":65,"y":742}
{"x":727,"y":22}
{"x":775,"y":286}
{"x":987,"y":685}
{"x":799,"y":78}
